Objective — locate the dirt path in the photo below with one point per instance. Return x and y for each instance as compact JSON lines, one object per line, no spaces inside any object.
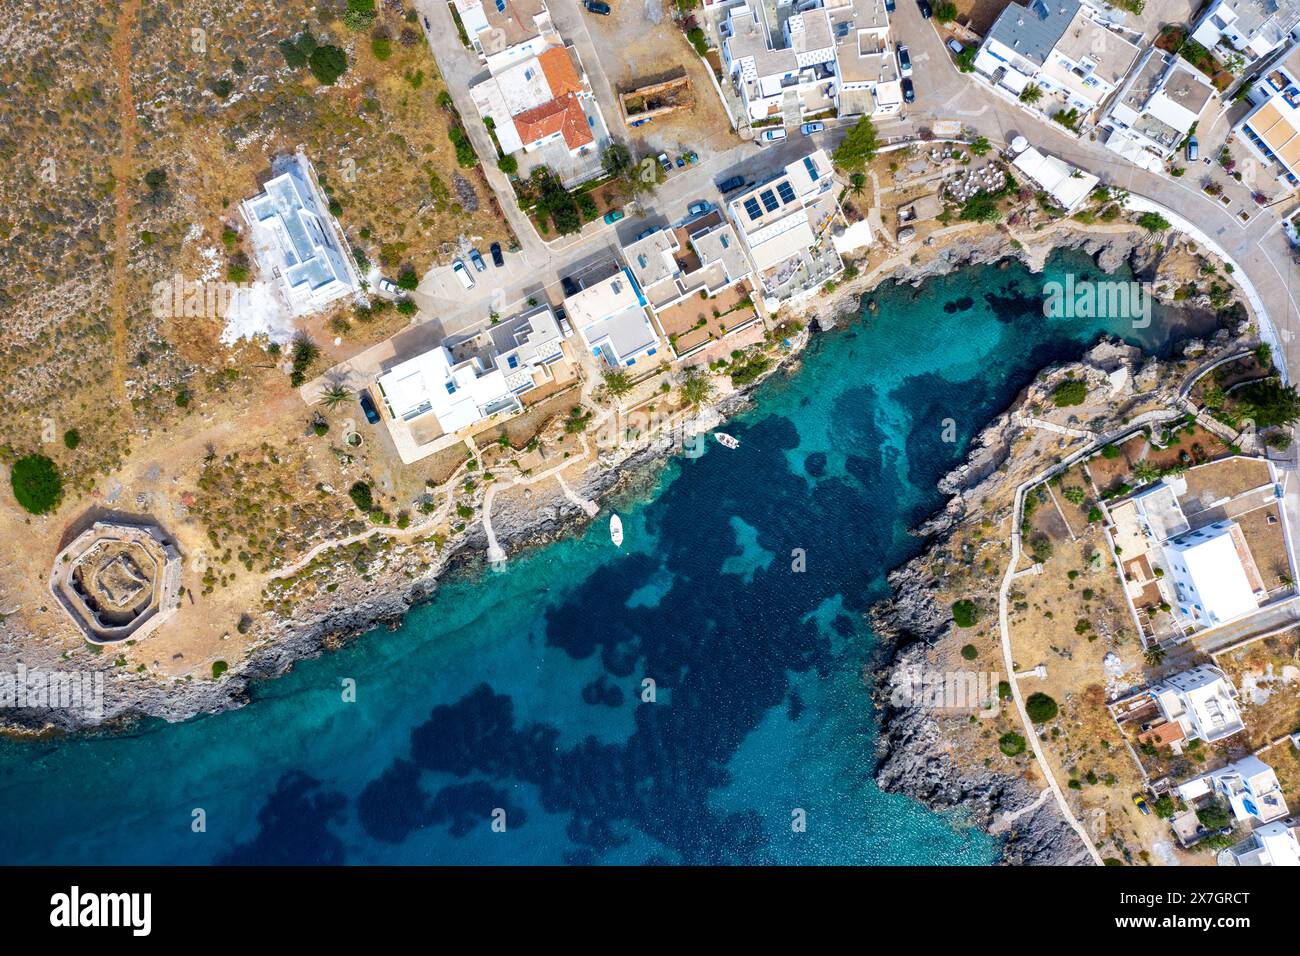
{"x":123,"y":166}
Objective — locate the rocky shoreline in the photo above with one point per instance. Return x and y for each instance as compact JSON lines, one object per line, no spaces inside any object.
{"x":909,"y":621}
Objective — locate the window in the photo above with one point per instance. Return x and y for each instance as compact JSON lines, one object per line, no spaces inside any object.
{"x":769,"y":200}
{"x":513,"y":361}
{"x":501,"y":6}
{"x":451,"y":388}
{"x":529,"y":74}
{"x":786,"y":191}
{"x":751,"y":207}
{"x":642,"y":261}
{"x":726,"y":244}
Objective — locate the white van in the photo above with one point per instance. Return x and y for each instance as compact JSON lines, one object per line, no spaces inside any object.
{"x":462,"y":274}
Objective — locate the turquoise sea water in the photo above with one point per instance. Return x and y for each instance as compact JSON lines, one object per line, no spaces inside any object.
{"x":520,"y":692}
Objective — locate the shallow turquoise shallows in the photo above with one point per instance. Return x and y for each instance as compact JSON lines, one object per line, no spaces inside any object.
{"x":517,"y":697}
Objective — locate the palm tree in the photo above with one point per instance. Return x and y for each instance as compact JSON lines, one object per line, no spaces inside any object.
{"x":696,"y":389}
{"x":857,"y":182}
{"x":335,"y":395}
{"x":1031,"y":94}
{"x":617,"y":382}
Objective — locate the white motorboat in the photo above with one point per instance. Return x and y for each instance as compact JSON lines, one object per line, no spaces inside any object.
{"x":616,"y":530}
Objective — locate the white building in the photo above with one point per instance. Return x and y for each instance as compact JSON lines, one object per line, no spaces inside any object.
{"x":512,"y":358}
{"x":1060,"y":46}
{"x":540,"y":100}
{"x":1271,"y":130}
{"x":1202,"y":702}
{"x":1215,"y":577}
{"x":610,"y":316}
{"x":1249,"y":787}
{"x":868,"y":81}
{"x":1156,"y":109}
{"x":505,"y":31}
{"x":764,"y":73}
{"x":297,"y":242}
{"x":1255,"y":28}
{"x":785,"y":224}
{"x":703,"y":255}
{"x":1271,"y":845}
{"x":1068,"y":186}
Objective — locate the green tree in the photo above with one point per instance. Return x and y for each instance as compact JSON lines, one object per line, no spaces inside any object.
{"x":1040,"y":708}
{"x":858,"y":148}
{"x":1269,"y":403}
{"x":981,"y":145}
{"x":696,"y":388}
{"x":1153,"y":222}
{"x":361,"y":496}
{"x":966,"y":59}
{"x":946,"y":11}
{"x":359,"y":15}
{"x":508,"y":165}
{"x":37,"y":485}
{"x":71,"y":438}
{"x":965,"y":613}
{"x":970,"y":652}
{"x":408,"y":279}
{"x":327,"y":63}
{"x":1031,"y":94}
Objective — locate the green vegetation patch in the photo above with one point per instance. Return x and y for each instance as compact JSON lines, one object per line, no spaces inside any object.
{"x":37,"y":484}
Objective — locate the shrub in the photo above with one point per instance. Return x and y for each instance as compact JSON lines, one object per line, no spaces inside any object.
{"x":945,"y":12}
{"x":381,"y":47}
{"x":407,"y":306}
{"x":1040,"y":708}
{"x":408,"y":279}
{"x":219,"y":668}
{"x":295,"y":58}
{"x":970,"y":652}
{"x":1110,"y":452}
{"x":1011,"y":744}
{"x":361,"y":496}
{"x":359,"y":15}
{"x":965,"y":613}
{"x":1214,"y":816}
{"x":1153,"y":222}
{"x":1072,"y":391}
{"x":508,"y":165}
{"x":71,"y":438}
{"x":36,"y":483}
{"x":1094,"y":514}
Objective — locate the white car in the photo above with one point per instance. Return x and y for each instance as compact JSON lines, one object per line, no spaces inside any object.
{"x":389,"y":287}
{"x":772,"y":135}
{"x":904,"y":60}
{"x":463,"y":274}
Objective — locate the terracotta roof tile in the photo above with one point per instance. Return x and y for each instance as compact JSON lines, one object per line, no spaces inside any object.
{"x":564,"y":114}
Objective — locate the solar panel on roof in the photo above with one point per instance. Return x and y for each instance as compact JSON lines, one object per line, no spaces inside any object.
{"x":786,"y":191}
{"x":751,"y":207}
{"x":809,"y":165}
{"x":769,"y":200}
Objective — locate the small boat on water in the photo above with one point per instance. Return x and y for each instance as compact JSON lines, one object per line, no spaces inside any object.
{"x":726,"y":441}
{"x":616,"y":530}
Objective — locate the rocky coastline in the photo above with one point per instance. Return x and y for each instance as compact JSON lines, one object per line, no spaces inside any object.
{"x":908,"y":762}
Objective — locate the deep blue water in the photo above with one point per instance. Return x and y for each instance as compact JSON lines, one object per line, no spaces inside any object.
{"x":521,"y":691}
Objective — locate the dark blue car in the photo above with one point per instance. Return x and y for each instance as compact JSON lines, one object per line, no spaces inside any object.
{"x":368,"y":407}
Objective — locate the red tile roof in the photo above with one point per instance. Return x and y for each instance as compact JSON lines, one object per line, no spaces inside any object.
{"x":563,"y":114}
{"x":561,"y":75}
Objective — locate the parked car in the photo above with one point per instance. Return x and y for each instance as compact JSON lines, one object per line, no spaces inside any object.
{"x":646,"y":232}
{"x":1193,"y":149}
{"x":569,"y":286}
{"x":809,"y":128}
{"x":388,"y":287}
{"x":477,"y":259}
{"x":458,"y":269}
{"x":909,"y":92}
{"x":681,"y":162}
{"x":698,"y":208}
{"x":772,"y":136}
{"x":889,"y":6}
{"x":613,"y":216}
{"x":595,"y":6}
{"x":904,"y":60}
{"x":956,"y":47}
{"x":732,"y":182}
{"x":1140,"y":802}
{"x":562,"y":317}
{"x":368,"y":408}
{"x":665,"y":162}
{"x":692,"y":158}
{"x":498,"y":260}
{"x":924,"y":7}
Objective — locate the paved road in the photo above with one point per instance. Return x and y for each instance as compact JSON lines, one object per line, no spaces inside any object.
{"x":1259,"y":246}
